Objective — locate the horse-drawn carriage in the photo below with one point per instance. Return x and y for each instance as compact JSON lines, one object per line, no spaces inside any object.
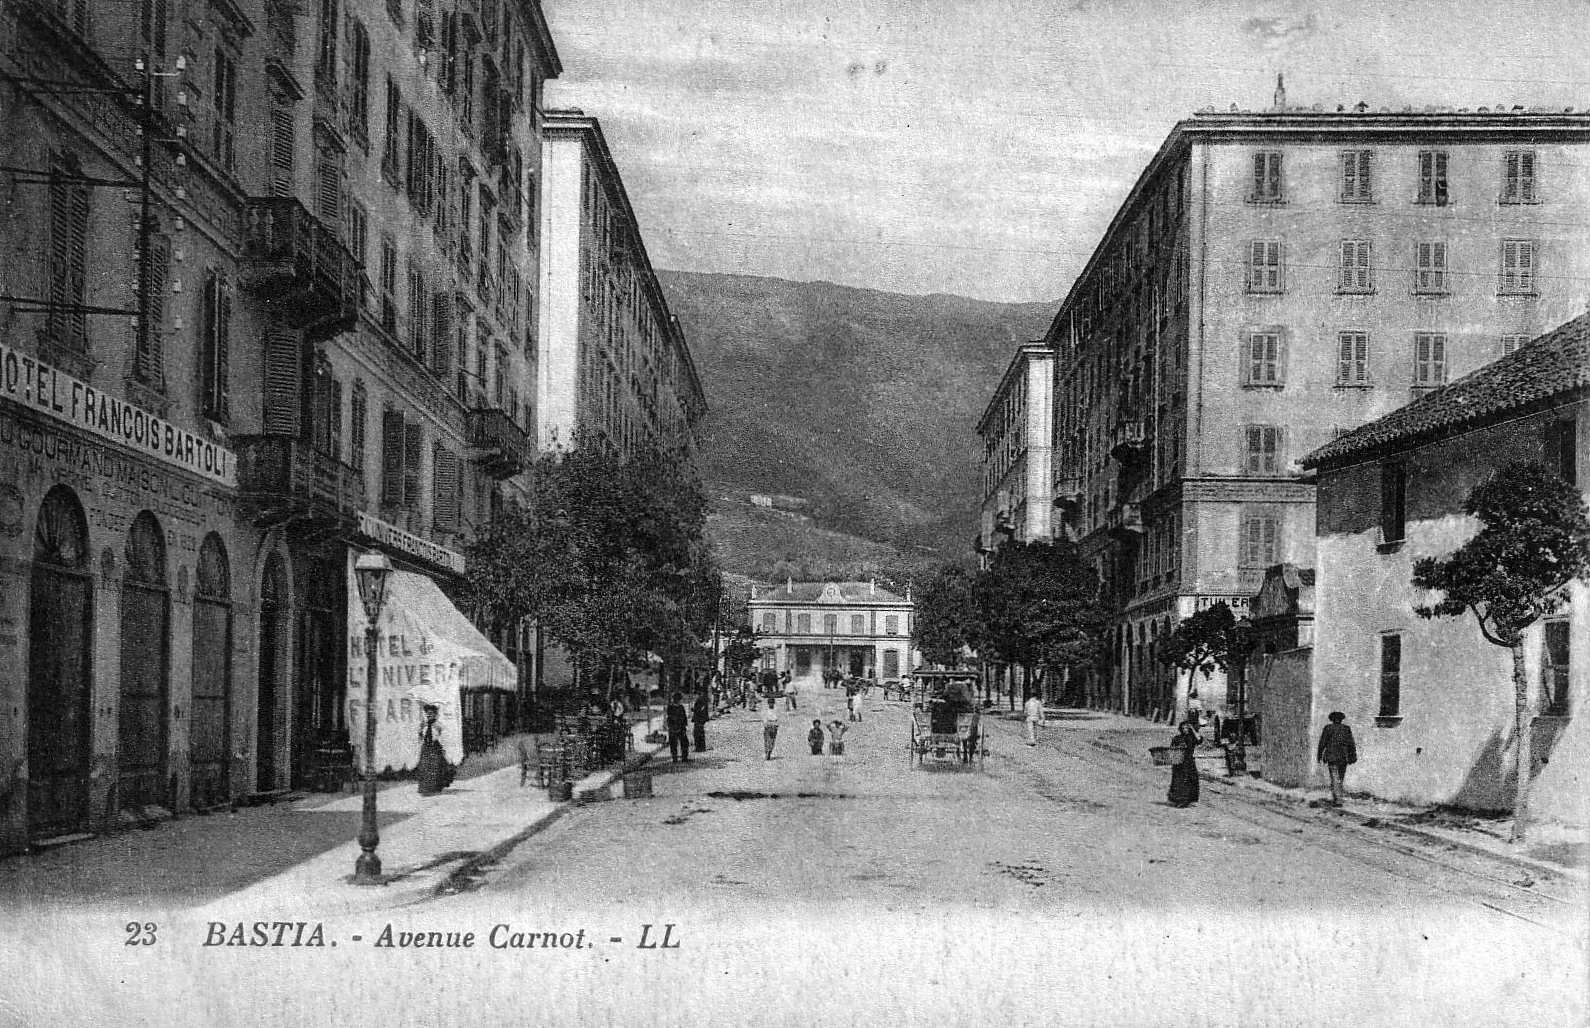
{"x":946,"y":726}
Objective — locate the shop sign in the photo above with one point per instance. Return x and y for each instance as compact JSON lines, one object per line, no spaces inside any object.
{"x":394,"y":537}
{"x":37,"y":386}
{"x":1238,"y":604}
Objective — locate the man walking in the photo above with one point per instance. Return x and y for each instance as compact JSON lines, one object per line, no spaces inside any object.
{"x":1336,"y":751}
{"x":789,"y":694}
{"x":1034,"y":708}
{"x":770,"y":725}
{"x":677,"y":722}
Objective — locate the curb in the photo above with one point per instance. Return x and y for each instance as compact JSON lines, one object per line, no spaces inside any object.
{"x":1283,"y":802}
{"x":599,"y":783}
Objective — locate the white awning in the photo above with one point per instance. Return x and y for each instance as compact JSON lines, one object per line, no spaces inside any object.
{"x":429,"y":609}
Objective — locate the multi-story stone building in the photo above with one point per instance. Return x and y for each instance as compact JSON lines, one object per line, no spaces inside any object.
{"x":266,"y":303}
{"x":854,"y":628}
{"x":616,"y":370}
{"x":1272,"y":279}
{"x":1018,"y":434}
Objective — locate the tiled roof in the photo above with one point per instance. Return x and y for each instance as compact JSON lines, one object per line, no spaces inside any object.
{"x":1552,"y":365}
{"x":808,"y":592}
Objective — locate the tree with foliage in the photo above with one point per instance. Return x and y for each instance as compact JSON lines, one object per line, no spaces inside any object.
{"x":1534,"y":540}
{"x":1206,"y":642}
{"x":611,"y":561}
{"x":1038,"y":608}
{"x":741,"y":653}
{"x":945,"y":618}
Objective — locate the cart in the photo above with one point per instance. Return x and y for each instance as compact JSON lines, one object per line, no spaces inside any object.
{"x":945,"y":726}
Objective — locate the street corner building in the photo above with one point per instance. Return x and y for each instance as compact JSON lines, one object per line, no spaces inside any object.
{"x":267,"y":301}
{"x":1274,"y":279}
{"x":852,"y":628}
{"x":1431,"y":701}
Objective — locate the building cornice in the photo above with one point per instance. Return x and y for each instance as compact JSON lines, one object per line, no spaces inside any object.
{"x":1025,"y":354}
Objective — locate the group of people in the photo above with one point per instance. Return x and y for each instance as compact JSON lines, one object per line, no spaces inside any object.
{"x":1336,"y":750}
{"x":677,"y":721}
{"x":835,"y":736}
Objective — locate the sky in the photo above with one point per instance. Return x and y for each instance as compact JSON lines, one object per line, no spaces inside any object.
{"x":980,"y":147}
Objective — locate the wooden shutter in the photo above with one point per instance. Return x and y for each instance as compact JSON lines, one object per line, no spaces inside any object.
{"x":283,"y":142}
{"x":77,"y":269}
{"x":334,"y":425}
{"x":283,"y":382}
{"x":441,"y":335}
{"x":222,"y":393}
{"x":150,"y":355}
{"x":413,"y":448}
{"x":328,"y":190}
{"x":445,"y":488}
{"x":392,"y":458}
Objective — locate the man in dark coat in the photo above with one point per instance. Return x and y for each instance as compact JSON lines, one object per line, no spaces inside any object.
{"x":677,"y":722}
{"x":1336,"y":751}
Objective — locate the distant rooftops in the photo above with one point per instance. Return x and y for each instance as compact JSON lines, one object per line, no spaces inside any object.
{"x":826,"y":592}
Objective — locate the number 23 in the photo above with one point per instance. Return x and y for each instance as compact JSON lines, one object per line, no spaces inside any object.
{"x":140,"y":934}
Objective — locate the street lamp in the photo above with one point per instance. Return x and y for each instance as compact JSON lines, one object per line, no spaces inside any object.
{"x":372,"y":571}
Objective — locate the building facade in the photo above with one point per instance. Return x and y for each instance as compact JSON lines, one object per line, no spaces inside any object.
{"x":854,"y":628}
{"x":1432,"y":702}
{"x":1016,"y":429}
{"x":616,"y":371}
{"x":238,"y":346}
{"x":1273,"y":279}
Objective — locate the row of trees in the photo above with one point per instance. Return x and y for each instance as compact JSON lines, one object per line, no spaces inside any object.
{"x":611,"y":561}
{"x":1037,"y":606}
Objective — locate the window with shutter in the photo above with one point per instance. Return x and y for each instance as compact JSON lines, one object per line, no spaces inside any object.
{"x":391,"y":147}
{"x":389,"y":284}
{"x":441,"y":335}
{"x":1518,"y":266}
{"x":328,"y":189}
{"x":1352,"y":365}
{"x":1429,"y":263}
{"x":334,"y":421}
{"x":1260,"y":539}
{"x":445,"y":488}
{"x":1518,"y":176}
{"x":282,"y":145}
{"x":1355,"y":176}
{"x":283,"y":378}
{"x":1429,"y":359}
{"x":1512,"y":342}
{"x":1355,"y":273}
{"x":69,"y":208}
{"x":149,"y":354}
{"x":359,"y":82}
{"x":1390,"y":676}
{"x":1264,"y":266}
{"x":1266,"y":177}
{"x":392,"y":450}
{"x":1432,"y":177}
{"x":1263,"y":445}
{"x":1263,"y":364}
{"x":223,"y":90}
{"x":358,"y":414}
{"x":413,"y":449}
{"x":326,"y":59}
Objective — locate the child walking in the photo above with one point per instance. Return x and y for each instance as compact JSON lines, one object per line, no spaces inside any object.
{"x":836,"y":738}
{"x":815,"y":737}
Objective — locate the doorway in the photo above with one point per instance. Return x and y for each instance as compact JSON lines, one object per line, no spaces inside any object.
{"x":210,"y":725}
{"x":145,"y":621}
{"x":60,"y":612}
{"x":272,"y":623}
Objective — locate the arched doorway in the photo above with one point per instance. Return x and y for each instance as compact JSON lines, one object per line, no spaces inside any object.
{"x":145,"y":624}
{"x":60,"y":610}
{"x":272,"y":626}
{"x":210,"y":713}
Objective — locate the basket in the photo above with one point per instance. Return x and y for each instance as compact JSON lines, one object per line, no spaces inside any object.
{"x":1161,"y":756}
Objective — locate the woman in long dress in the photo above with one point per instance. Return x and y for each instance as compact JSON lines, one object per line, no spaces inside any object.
{"x":432,"y":768}
{"x":1184,"y":766}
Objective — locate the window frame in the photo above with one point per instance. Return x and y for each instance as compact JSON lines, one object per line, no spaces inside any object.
{"x":1268,"y":372}
{"x":1261,"y":269}
{"x":1390,"y":693}
{"x":1433,"y":184}
{"x":1273,"y":454}
{"x":1355,"y":274}
{"x":1431,"y":363}
{"x":1268,"y":552}
{"x":1352,"y":371}
{"x":1517,"y":278}
{"x":1357,"y":176}
{"x":1520,"y":177}
{"x":1267,"y":181}
{"x":1430,"y":276}
{"x":1556,"y":680}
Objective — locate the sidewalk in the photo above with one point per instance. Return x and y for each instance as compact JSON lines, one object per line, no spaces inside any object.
{"x":1551,"y":851}
{"x":295,"y":859}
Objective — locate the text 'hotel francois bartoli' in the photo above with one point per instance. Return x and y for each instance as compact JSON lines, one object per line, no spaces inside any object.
{"x":272,"y":283}
{"x":1273,"y":280}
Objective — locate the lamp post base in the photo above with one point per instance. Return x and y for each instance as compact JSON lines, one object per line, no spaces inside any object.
{"x":367,"y":869}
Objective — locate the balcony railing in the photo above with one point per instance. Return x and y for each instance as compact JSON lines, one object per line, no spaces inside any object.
{"x":1130,"y":442}
{"x":281,"y":478}
{"x":294,"y":261}
{"x":498,"y":444}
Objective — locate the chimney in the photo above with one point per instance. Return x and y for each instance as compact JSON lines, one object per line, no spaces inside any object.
{"x":789,"y":584}
{"x":1280,"y":92}
{"x":872,"y":587}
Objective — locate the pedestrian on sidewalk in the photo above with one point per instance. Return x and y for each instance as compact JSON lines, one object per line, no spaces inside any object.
{"x":1034,"y":708}
{"x":854,"y":703}
{"x":1184,"y":766}
{"x":1195,"y":708}
{"x":836,"y":738}
{"x":698,"y":718}
{"x":432,"y":769}
{"x":1336,"y":751}
{"x":814,"y":738}
{"x":770,"y":725}
{"x":677,"y":722}
{"x":789,"y":695}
